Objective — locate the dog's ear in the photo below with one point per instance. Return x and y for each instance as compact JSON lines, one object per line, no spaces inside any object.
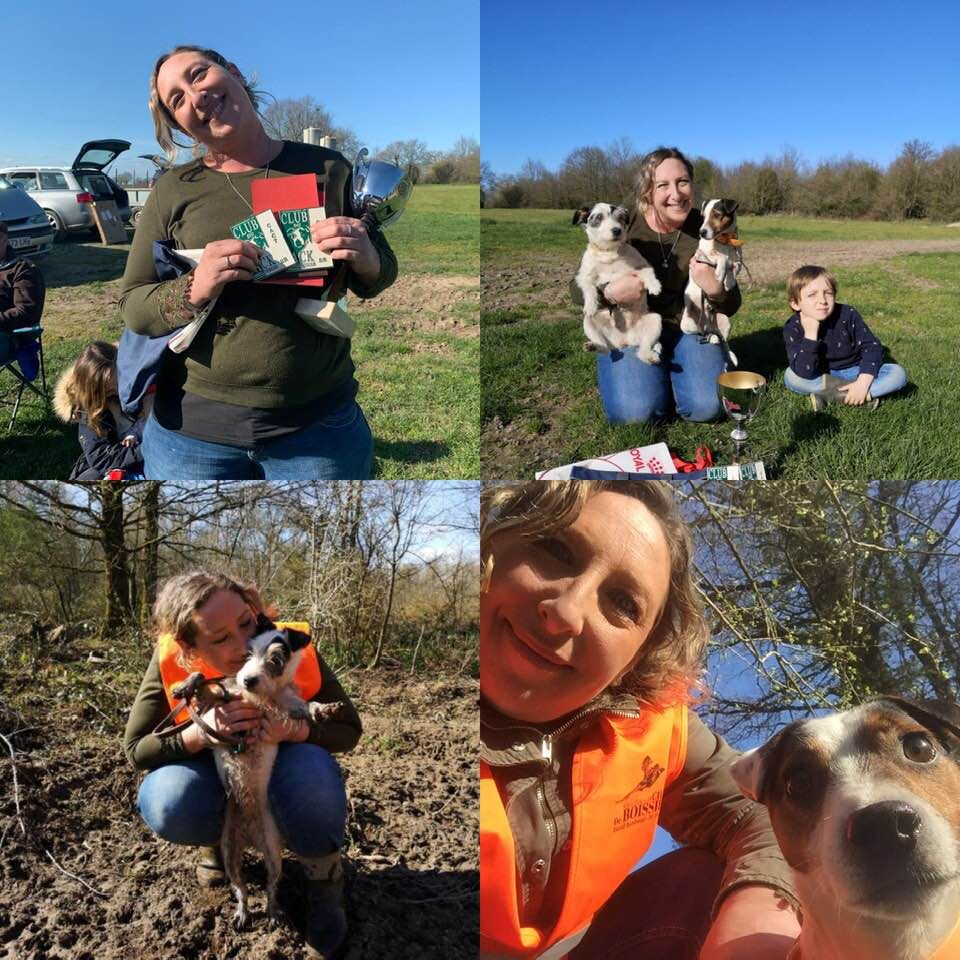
{"x":580,"y":216}
{"x":296,"y":638}
{"x":731,"y":205}
{"x":940,"y":717}
{"x":752,"y":770}
{"x":622,"y":214}
{"x":703,"y":207}
{"x":264,"y":623}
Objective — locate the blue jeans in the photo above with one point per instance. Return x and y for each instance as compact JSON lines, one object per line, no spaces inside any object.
{"x":338,"y":446}
{"x":890,"y":378}
{"x":184,"y":802}
{"x":685,"y":380}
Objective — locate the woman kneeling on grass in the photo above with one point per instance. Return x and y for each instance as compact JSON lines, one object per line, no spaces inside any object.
{"x":259,"y":393}
{"x":591,"y":639}
{"x":203,"y":621}
{"x":666,"y":232}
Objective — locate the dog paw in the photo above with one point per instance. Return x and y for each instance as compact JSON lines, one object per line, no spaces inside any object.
{"x":650,"y":356}
{"x":321,"y":712}
{"x":590,"y":347}
{"x":733,"y":358}
{"x":653,"y":286}
{"x":240,"y":918}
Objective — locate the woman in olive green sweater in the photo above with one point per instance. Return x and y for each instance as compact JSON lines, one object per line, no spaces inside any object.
{"x":203,"y":621}
{"x":259,"y":393}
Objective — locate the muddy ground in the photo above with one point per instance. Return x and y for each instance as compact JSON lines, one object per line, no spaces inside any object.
{"x":412,"y":850}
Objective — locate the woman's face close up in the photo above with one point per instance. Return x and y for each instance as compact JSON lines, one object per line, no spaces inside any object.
{"x":566,"y":613}
{"x":672,"y":192}
{"x":225,"y":624}
{"x":207,"y":101}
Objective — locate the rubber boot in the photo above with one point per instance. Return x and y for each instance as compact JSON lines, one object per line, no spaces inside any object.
{"x":210,"y":872}
{"x":326,"y":925}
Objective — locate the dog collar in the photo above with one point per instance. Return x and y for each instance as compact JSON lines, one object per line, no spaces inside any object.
{"x":728,"y":240}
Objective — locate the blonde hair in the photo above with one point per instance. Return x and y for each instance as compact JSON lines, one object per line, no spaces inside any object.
{"x":648,"y":168}
{"x":670,"y":662}
{"x":163,"y":122}
{"x":185,"y":593}
{"x":85,"y":388}
{"x":804,"y":275}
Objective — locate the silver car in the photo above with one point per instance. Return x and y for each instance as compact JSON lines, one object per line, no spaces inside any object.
{"x":29,"y":232}
{"x":65,"y":193}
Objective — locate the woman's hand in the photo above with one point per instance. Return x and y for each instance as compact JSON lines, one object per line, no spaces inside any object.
{"x":705,"y":278}
{"x":231,"y":719}
{"x":222,"y":262}
{"x":626,"y":289}
{"x":273,"y":729}
{"x":129,"y":440}
{"x":754,"y":923}
{"x":856,"y":394}
{"x":346,"y":238}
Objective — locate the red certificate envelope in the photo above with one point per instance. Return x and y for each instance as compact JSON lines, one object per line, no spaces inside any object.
{"x":288,"y":193}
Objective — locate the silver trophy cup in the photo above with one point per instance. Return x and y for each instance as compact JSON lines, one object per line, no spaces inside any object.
{"x":741,"y":393}
{"x":380,"y":190}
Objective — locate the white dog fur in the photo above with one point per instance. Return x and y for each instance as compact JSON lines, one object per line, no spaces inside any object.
{"x":607,"y":258}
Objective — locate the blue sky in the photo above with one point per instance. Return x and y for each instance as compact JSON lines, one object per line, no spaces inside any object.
{"x":389,"y":71}
{"x":735,"y":81}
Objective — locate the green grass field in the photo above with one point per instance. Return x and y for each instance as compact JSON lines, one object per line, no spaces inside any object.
{"x":540,"y":402}
{"x":416,"y":349}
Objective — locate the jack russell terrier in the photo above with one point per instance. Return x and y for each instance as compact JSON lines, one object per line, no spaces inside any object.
{"x":865,"y":805}
{"x":717,"y":248}
{"x":607,"y":258}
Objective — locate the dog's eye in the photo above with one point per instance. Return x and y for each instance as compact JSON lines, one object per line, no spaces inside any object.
{"x":799,"y":785}
{"x":918,"y":748}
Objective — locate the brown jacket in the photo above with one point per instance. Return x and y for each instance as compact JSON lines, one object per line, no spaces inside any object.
{"x":22,"y":293}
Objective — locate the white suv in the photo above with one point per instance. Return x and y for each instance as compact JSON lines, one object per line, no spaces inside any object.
{"x":65,"y":193}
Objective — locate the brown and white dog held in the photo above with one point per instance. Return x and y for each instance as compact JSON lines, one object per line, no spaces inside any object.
{"x":609,"y":257}
{"x":717,"y":248}
{"x":865,"y":805}
{"x":266,"y":680}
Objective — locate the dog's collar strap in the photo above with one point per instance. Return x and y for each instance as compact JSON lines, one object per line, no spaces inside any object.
{"x":728,"y":240}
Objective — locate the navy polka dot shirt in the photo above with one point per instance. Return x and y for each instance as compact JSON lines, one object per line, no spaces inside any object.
{"x":843,"y":340}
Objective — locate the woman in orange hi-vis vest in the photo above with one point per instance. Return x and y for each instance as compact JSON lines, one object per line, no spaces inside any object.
{"x":203,"y":621}
{"x":591,"y":638}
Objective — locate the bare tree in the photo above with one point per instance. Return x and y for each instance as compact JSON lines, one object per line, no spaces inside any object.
{"x":286,"y":119}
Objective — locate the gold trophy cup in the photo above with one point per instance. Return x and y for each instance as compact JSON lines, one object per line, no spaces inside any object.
{"x":741,"y":393}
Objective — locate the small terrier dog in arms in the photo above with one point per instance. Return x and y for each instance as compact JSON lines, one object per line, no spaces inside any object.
{"x":266,"y":681}
{"x":719,"y":243}
{"x":865,"y":807}
{"x":608,"y":257}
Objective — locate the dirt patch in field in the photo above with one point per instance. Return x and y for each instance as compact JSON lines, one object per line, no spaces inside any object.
{"x":412,"y":867}
{"x":422,"y":301}
{"x":768,"y":262}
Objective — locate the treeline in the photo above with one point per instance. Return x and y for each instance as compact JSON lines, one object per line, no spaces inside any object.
{"x":920,"y":183}
{"x":384,"y":572}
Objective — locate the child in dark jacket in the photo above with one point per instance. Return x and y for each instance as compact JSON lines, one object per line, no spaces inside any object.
{"x":832,"y":353}
{"x":109,"y":438}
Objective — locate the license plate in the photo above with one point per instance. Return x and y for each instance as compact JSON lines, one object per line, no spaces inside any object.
{"x":17,"y":242}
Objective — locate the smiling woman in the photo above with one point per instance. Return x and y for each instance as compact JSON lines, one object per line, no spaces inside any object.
{"x":592,"y":640}
{"x":203,"y":622}
{"x":258,"y":393}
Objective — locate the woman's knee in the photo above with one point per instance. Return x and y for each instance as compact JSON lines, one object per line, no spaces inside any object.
{"x":308,"y":799}
{"x":700,"y":409}
{"x":182,"y":806}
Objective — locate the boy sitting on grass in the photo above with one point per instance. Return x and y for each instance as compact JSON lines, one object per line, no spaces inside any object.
{"x":831,"y":352}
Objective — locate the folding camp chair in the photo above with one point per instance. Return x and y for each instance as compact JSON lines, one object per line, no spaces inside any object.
{"x":23,"y":375}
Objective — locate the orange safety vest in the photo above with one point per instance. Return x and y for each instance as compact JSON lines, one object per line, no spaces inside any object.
{"x":621,"y":767}
{"x":307,"y":677}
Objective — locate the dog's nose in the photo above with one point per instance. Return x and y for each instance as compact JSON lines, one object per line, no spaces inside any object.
{"x":250,"y":682}
{"x":887,"y":826}
{"x":616,"y":231}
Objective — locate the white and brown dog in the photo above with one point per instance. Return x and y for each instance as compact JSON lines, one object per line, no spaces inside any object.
{"x":266,"y":681}
{"x":865,"y":805}
{"x":607,"y":258}
{"x":718,"y":248}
